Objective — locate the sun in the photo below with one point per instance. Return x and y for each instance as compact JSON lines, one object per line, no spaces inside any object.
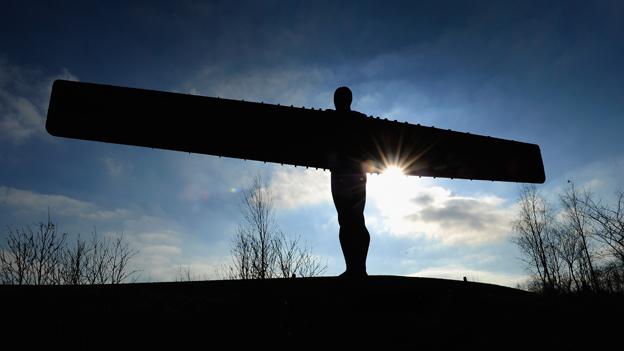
{"x":393,"y":171}
{"x":391,"y":193}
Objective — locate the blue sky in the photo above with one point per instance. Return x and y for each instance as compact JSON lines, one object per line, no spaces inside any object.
{"x":542,"y":72}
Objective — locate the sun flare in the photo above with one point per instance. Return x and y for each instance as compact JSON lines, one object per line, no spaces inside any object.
{"x":393,"y":171}
{"x":391,"y":192}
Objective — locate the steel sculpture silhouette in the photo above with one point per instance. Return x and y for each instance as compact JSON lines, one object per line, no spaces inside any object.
{"x":346,"y":142}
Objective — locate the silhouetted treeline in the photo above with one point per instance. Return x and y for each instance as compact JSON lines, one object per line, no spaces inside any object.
{"x":573,"y":246}
{"x":42,"y":256}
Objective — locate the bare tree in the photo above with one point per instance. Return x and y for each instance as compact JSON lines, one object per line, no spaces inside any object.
{"x":580,"y":250}
{"x":610,"y":220}
{"x":121,"y":254}
{"x":33,"y":256}
{"x":42,"y":256}
{"x":535,"y":236}
{"x":578,"y":224}
{"x":295,"y":258}
{"x":609,"y":231}
{"x":74,"y":262}
{"x":107,"y":260}
{"x":185,"y":274}
{"x":242,"y":255}
{"x":567,"y":248}
{"x":258,"y":231}
{"x":16,"y":258}
{"x":259,"y":249}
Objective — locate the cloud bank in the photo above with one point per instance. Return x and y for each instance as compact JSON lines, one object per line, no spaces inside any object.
{"x":411,"y":207}
{"x":458,"y":272}
{"x":24,"y":96}
{"x":296,"y":187}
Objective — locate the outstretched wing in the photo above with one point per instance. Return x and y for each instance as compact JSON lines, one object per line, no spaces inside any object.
{"x":280,"y":134}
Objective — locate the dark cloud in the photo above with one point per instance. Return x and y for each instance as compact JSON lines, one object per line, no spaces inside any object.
{"x":469,"y":213}
{"x":423,"y":200}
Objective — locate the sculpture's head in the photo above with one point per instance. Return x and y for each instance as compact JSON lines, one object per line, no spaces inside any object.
{"x":342,"y":99}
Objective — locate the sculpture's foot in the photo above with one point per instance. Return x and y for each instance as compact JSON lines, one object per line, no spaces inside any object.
{"x":354,"y":274}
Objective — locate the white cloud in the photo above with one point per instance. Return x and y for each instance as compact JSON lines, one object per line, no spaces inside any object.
{"x":113,"y":166}
{"x":159,"y":245}
{"x":24,"y":96}
{"x":296,"y":187}
{"x":20,"y":118}
{"x":205,"y":178}
{"x":298,"y":86}
{"x":457,"y":272}
{"x":162,"y":256}
{"x":26,"y":201}
{"x":413,"y":207}
{"x":163,"y":237}
{"x":161,"y":250}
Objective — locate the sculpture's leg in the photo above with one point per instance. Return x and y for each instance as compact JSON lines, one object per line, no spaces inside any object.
{"x":349,"y":193}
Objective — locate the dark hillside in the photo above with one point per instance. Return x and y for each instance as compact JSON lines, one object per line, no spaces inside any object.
{"x":397,"y":312}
